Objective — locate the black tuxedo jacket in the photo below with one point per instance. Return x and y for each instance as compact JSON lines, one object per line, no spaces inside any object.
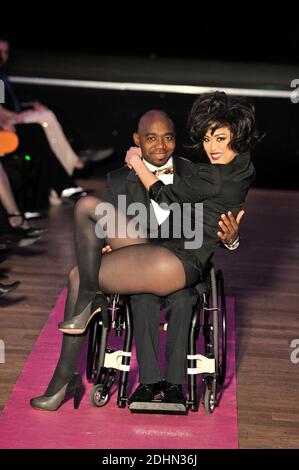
{"x":124,"y":181}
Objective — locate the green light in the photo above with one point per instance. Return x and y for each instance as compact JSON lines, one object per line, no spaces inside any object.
{"x":27,"y":157}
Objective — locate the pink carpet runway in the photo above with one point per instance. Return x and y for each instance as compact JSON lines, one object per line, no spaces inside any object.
{"x":109,"y":427}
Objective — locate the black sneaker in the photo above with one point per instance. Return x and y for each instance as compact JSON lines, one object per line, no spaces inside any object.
{"x":146,"y":392}
{"x":173,"y":393}
{"x":19,"y":237}
{"x":6,"y":288}
{"x":74,"y":194}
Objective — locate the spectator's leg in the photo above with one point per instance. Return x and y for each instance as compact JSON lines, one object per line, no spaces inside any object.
{"x":56,"y":138}
{"x":6,"y":196}
{"x":47,"y":172}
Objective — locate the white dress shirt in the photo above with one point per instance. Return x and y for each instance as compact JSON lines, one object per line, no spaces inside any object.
{"x":161,"y":214}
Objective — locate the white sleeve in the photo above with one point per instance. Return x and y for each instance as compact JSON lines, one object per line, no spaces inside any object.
{"x":234,"y":245}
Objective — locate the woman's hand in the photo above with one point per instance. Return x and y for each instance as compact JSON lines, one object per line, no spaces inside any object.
{"x":133,"y":155}
{"x":230,"y":227}
{"x":133,"y":160}
{"x":106,"y":249}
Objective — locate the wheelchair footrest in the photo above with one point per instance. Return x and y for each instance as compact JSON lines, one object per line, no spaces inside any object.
{"x":113,"y":360}
{"x":203,"y":364}
{"x":158,"y":407}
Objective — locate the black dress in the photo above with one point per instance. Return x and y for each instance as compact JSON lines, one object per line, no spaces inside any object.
{"x":219,"y":188}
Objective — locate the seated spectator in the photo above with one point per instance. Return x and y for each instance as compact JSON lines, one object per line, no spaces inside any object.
{"x":45,"y":175}
{"x":14,"y":227}
{"x":40,"y":114}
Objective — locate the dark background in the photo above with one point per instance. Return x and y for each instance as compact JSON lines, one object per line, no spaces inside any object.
{"x":107,"y":118}
{"x":232,"y":46}
{"x":227,"y":31}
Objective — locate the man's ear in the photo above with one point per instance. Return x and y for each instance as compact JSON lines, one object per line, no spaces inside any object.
{"x":136,"y":139}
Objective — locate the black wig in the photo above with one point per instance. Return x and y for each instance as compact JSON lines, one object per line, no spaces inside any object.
{"x":215,"y":110}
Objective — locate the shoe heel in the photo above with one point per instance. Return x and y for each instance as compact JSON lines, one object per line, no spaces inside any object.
{"x":77,"y":396}
{"x":100,"y":303}
{"x":92,"y":319}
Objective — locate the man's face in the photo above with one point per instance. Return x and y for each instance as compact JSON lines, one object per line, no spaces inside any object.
{"x":4,"y":52}
{"x":156,"y":139}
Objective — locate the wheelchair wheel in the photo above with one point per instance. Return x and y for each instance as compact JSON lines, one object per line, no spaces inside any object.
{"x":222,"y":328}
{"x":217,"y":338}
{"x":97,"y":397}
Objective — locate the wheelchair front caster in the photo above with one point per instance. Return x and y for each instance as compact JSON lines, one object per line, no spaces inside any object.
{"x":209,"y":401}
{"x":97,"y":397}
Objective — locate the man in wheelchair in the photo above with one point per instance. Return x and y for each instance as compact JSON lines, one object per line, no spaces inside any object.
{"x":146,"y":307}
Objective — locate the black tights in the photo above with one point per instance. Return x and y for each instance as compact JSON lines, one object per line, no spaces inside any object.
{"x":133,"y":267}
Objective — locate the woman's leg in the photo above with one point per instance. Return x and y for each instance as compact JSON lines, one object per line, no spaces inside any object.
{"x":134,"y":265}
{"x":56,"y":138}
{"x":8,"y":202}
{"x":71,"y":344}
{"x":132,"y":269}
{"x":88,"y":247}
{"x":6,"y":196}
{"x":138,"y":268}
{"x":46,"y":172}
{"x":90,"y":238}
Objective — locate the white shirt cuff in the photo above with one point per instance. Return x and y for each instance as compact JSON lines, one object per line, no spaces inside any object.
{"x":234,"y":245}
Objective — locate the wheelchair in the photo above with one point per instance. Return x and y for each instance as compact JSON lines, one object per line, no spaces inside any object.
{"x":208,"y":320}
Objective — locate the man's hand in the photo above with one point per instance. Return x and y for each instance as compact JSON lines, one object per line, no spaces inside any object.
{"x":106,"y":249}
{"x":230,"y":227}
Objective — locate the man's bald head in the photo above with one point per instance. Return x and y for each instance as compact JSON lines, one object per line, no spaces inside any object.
{"x":154,"y":115}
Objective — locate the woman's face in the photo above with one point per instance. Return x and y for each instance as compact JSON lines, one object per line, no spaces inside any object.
{"x":217,"y":145}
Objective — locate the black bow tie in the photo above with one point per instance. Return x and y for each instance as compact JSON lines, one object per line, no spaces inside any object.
{"x":164,"y":171}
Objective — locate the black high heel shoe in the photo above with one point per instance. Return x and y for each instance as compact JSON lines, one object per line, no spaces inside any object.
{"x":28,"y":232}
{"x":79,"y":323}
{"x":52,"y":403}
{"x":6,"y":288}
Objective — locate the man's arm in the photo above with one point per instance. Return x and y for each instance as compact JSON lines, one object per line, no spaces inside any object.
{"x":230,"y":228}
